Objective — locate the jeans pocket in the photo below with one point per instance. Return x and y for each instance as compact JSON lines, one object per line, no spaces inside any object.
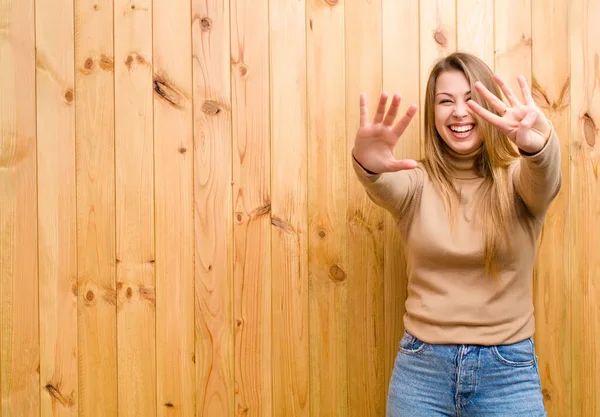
{"x":517,"y":354}
{"x":410,"y":345}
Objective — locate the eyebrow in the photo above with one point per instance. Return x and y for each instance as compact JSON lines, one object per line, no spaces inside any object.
{"x":448,"y":94}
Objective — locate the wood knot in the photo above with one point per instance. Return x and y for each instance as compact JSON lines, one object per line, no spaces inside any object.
{"x":440,"y":38}
{"x":89,"y":296}
{"x":133,"y":7}
{"x":129,"y":292}
{"x":74,"y":289}
{"x":210,"y":107}
{"x":88,"y":64}
{"x":69,"y":95}
{"x":337,"y":274}
{"x":134,"y":57}
{"x":119,"y":286}
{"x":243,"y":70}
{"x":169,"y":405}
{"x":168,"y":93}
{"x":205,"y":24}
{"x":589,"y":129}
{"x":106,"y":63}
{"x":546,"y":394}
{"x":96,"y":7}
{"x":239,"y":322}
{"x":239,"y":217}
{"x":182,"y":150}
{"x":525,"y":40}
{"x":322,"y":234}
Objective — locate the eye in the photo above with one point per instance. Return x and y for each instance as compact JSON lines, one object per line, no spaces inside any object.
{"x":445,"y":101}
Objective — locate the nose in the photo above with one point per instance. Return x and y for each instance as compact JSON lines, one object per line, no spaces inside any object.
{"x":460,"y":110}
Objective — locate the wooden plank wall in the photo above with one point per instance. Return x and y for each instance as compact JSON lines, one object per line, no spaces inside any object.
{"x":181,"y":232}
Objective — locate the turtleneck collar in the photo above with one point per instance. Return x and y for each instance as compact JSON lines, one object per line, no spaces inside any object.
{"x":464,"y":165}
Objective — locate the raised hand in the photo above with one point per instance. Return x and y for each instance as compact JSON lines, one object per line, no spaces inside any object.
{"x":375,"y":140}
{"x":524,"y":123}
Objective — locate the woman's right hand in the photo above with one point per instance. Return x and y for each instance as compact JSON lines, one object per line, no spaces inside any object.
{"x":375,"y":140}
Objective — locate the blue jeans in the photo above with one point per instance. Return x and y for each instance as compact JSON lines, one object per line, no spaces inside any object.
{"x":465,"y":380}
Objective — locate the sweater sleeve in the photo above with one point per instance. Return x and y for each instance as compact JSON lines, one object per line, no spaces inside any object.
{"x":394,"y":191}
{"x":538,"y":178}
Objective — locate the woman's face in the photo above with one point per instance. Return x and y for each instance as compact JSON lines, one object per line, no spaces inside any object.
{"x":454,"y":121}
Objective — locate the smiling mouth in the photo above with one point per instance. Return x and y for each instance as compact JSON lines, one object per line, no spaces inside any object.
{"x":462,"y":128}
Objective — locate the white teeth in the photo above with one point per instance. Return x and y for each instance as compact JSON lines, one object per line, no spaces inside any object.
{"x":462,"y":129}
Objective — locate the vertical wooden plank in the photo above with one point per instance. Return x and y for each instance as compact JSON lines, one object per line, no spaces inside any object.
{"x":437,"y":23}
{"x":252,"y":194}
{"x":475,"y":28}
{"x":327,"y":193}
{"x":366,"y":387}
{"x":174,"y":211}
{"x":19,"y":326}
{"x":57,"y":214}
{"x":289,"y":208}
{"x":94,"y":127}
{"x":512,"y":26}
{"x":552,"y":283}
{"x":135,"y":208}
{"x":213,"y":209}
{"x":585,"y":201}
{"x":400,"y":75}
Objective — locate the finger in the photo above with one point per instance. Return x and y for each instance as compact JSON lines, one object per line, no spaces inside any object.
{"x":393,"y":111}
{"x":403,"y":123}
{"x":490,"y":97}
{"x":486,"y":114}
{"x":380,"y":108}
{"x":527,"y":97}
{"x":402,"y":164}
{"x":512,"y":99}
{"x":364,"y":112}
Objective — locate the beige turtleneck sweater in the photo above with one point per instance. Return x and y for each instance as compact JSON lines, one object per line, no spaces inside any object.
{"x":450,"y":300}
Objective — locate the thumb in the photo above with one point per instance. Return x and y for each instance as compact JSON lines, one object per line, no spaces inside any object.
{"x":402,"y":164}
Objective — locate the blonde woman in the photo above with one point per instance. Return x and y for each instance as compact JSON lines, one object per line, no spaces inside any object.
{"x":470,"y":213}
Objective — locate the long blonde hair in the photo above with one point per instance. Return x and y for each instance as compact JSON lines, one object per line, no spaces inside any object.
{"x":497,"y":209}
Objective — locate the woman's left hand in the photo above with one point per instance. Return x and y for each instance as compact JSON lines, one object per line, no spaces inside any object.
{"x":524,"y":123}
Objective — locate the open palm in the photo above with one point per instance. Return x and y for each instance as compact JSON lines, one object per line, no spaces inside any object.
{"x":375,"y":140}
{"x":524,"y":123}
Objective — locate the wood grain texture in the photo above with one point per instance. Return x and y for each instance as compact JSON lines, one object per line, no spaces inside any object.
{"x":327,"y":201}
{"x":134,"y":148}
{"x":366,"y":336}
{"x":475,"y":28}
{"x":552,"y":282}
{"x":438,"y":37}
{"x":19,"y":325}
{"x":252,"y":208}
{"x":289,"y":211}
{"x":213,"y":208}
{"x":95,"y":155}
{"x":57,"y":211}
{"x":400,"y":39}
{"x":512,"y":26}
{"x":585,"y":207}
{"x":174,"y":208}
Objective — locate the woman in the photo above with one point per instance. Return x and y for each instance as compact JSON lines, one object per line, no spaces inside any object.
{"x":470,"y":213}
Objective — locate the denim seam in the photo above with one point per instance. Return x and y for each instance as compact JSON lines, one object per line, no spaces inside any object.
{"x":457,"y":401}
{"x":505,"y":361}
